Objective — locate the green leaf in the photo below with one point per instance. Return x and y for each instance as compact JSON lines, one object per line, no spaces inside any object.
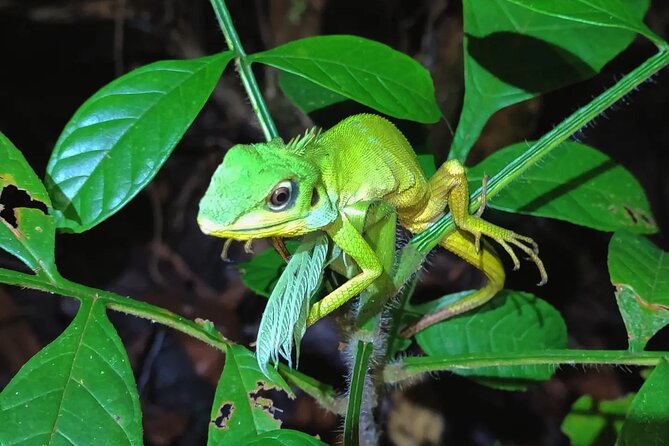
{"x":306,"y":95}
{"x":647,"y":422}
{"x":427,"y":164}
{"x":261,"y":273}
{"x":241,"y":409}
{"x":513,"y":321}
{"x":640,"y":272}
{"x":359,"y":375}
{"x":285,"y":437}
{"x":604,"y":13}
{"x":575,"y":183}
{"x":120,"y":137}
{"x":642,"y":321}
{"x":32,"y":237}
{"x":366,"y":71}
{"x":284,"y":320}
{"x":595,"y":423}
{"x":78,"y":390}
{"x":513,"y":53}
{"x":635,"y":261}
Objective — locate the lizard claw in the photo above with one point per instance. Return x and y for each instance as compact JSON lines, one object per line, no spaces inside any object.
{"x":529,"y":247}
{"x":525,"y":244}
{"x":484,"y":192}
{"x":226,"y":248}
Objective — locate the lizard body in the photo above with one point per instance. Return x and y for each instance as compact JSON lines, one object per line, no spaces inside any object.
{"x":319,"y":181}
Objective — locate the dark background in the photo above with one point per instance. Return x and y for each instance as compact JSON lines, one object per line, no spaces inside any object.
{"x":55,"y":54}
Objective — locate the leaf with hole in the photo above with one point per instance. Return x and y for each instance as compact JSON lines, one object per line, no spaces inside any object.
{"x":640,"y":272}
{"x":363,"y":70}
{"x":25,"y":232}
{"x":242,"y":408}
{"x":120,"y":137}
{"x":513,"y":53}
{"x":513,"y":321}
{"x":575,"y":183}
{"x":78,"y":390}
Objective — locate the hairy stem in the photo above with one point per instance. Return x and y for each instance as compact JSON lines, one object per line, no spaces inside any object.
{"x":428,"y":239}
{"x":244,"y":69}
{"x":359,"y":419}
{"x":412,"y":366}
{"x":64,"y":287}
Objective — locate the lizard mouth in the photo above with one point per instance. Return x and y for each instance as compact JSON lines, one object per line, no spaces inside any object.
{"x":246,"y":233}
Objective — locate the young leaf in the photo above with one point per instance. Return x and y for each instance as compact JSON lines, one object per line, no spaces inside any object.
{"x":366,"y":71}
{"x":513,"y":321}
{"x":284,"y":320}
{"x":284,"y":437}
{"x":77,"y":390}
{"x":241,"y":409}
{"x":507,"y":44}
{"x":31,"y":236}
{"x":640,"y":272}
{"x":595,"y":423}
{"x":120,"y":137}
{"x":648,"y":419}
{"x":576,"y":183}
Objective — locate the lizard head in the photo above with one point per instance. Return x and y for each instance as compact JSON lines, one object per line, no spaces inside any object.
{"x":265,"y":190}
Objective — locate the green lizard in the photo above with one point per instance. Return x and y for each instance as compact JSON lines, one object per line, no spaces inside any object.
{"x":323,"y":181}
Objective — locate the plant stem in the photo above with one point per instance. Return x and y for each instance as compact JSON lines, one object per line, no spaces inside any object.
{"x":412,"y":366}
{"x":355,"y":418}
{"x":551,"y":140}
{"x":244,"y":69}
{"x":252,"y":90}
{"x":202,"y":331}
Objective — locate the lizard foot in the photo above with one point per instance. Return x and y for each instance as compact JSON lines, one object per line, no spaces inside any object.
{"x":506,"y":239}
{"x":478,"y":227}
{"x":525,"y":244}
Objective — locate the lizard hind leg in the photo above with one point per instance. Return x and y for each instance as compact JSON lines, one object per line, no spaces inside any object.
{"x":455,"y":178}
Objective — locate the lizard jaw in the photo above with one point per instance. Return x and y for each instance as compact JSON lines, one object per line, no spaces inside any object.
{"x":282,"y":229}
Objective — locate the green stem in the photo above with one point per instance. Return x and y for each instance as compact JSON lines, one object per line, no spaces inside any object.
{"x":427,"y":240}
{"x":244,"y":69}
{"x":410,"y":367}
{"x":323,"y":393}
{"x":354,"y":417}
{"x":202,"y":331}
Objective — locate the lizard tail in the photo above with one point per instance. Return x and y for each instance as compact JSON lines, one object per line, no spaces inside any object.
{"x":485,"y":260}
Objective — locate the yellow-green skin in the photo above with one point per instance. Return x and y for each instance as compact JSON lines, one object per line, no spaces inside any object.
{"x":362,"y":159}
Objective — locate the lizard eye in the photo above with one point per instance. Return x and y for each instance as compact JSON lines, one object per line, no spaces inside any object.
{"x":281,"y":197}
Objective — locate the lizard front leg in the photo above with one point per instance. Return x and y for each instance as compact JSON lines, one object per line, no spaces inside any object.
{"x":352,"y":243}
